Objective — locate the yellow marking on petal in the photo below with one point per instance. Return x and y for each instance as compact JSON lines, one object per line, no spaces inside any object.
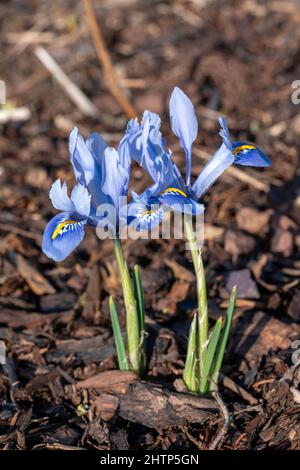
{"x":61,"y":226}
{"x":147,"y":212}
{"x":175,"y":190}
{"x":243,"y":147}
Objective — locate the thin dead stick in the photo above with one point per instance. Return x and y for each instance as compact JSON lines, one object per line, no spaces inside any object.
{"x":29,"y":37}
{"x":14,"y":115}
{"x":240,"y":175}
{"x":233,"y":387}
{"x":104,"y":58}
{"x":65,"y":124}
{"x":83,"y":103}
{"x":224,"y":429}
{"x":247,"y":409}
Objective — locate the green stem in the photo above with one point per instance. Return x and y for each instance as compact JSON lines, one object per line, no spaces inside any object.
{"x":132,"y":320}
{"x":202,"y":299}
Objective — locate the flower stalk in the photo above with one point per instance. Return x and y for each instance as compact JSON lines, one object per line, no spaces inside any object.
{"x":134,"y":333}
{"x":205,"y":351}
{"x":202,"y":313}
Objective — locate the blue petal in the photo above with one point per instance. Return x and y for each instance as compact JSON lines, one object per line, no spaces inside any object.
{"x":177,"y":200}
{"x":124,"y":156}
{"x":81,"y":158}
{"x":150,"y":145}
{"x":221,"y":160}
{"x":156,"y":160}
{"x":81,"y":200}
{"x":125,"y":147}
{"x":144,"y":144}
{"x":155,"y":154}
{"x":87,"y":163}
{"x":127,"y":143}
{"x":62,"y":235}
{"x":166,"y":178}
{"x":59,"y":197}
{"x":132,"y":126}
{"x":97,"y":145}
{"x":244,"y":153}
{"x":249,"y":155}
{"x":144,"y":217}
{"x":184,"y":124}
{"x":224,"y":132}
{"x":115,"y":178}
{"x":153,"y":141}
{"x":130,"y":144}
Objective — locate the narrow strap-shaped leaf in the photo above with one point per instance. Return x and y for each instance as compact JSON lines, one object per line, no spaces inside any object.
{"x":223,"y":340}
{"x":139,"y":297}
{"x":210,"y":354}
{"x":140,"y":304}
{"x":132,"y":320}
{"x":189,"y":373}
{"x":120,"y":348}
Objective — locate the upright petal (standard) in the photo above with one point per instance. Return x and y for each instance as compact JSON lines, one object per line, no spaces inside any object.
{"x":184,"y":125}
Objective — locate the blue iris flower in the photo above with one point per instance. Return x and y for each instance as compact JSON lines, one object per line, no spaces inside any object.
{"x":102,"y":177}
{"x":169,"y":191}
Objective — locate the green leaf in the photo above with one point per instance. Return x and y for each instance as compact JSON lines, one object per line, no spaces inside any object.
{"x":190,"y":368}
{"x":139,"y":297}
{"x":121,"y":352}
{"x":132,"y":317}
{"x":210,"y":354}
{"x":223,"y":341}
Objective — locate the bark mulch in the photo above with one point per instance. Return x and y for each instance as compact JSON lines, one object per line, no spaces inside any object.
{"x":59,"y":388}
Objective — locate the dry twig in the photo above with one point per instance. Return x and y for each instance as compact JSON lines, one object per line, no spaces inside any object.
{"x":224,"y":429}
{"x":233,"y":387}
{"x":104,"y":58}
{"x":14,"y":115}
{"x":83,"y":103}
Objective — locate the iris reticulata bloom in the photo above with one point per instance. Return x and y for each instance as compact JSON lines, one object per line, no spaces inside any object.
{"x":169,"y":191}
{"x":102,"y":177}
{"x":101,"y":180}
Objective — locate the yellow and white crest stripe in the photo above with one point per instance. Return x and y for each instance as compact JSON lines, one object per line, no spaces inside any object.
{"x":242,"y":148}
{"x":175,"y":191}
{"x":148,"y":215}
{"x":64,"y":226}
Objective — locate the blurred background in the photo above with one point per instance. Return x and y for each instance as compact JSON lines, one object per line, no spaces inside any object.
{"x":237,"y":58}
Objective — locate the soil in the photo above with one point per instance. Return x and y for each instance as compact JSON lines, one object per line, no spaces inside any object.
{"x":60,"y":388}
